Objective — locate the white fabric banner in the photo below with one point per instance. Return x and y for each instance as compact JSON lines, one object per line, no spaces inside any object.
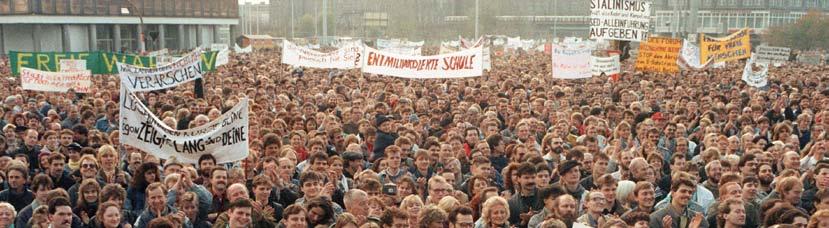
{"x":238,"y":49}
{"x":400,"y":47}
{"x":445,"y":48}
{"x":608,"y":65}
{"x":226,"y":138}
{"x":183,"y":70}
{"x":69,"y":65}
{"x":572,"y":61}
{"x":158,"y":52}
{"x":36,"y":80}
{"x":465,"y":44}
{"x":223,"y":57}
{"x":346,"y":57}
{"x":773,"y":55}
{"x":756,"y":78}
{"x":689,"y":57}
{"x":466,"y":63}
{"x":627,"y":20}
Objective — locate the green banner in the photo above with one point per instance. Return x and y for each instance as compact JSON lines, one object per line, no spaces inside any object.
{"x":97,"y":62}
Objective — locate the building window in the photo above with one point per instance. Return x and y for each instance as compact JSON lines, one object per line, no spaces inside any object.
{"x":777,"y":3}
{"x":103,"y":34}
{"x":728,"y":2}
{"x":812,"y":4}
{"x":753,"y":3}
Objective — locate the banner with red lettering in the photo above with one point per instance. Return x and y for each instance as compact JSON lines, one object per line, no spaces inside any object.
{"x":38,"y":80}
{"x":466,"y":63}
{"x":346,"y":57}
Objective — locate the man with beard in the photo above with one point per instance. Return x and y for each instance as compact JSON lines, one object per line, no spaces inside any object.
{"x":525,"y":203}
{"x":766,"y":176}
{"x":566,"y":209}
{"x":549,"y":195}
{"x":556,"y":150}
{"x":714,"y":170}
{"x":218,"y":188}
{"x":677,"y":214}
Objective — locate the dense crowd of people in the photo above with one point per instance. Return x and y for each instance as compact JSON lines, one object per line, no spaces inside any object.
{"x":513,"y":148}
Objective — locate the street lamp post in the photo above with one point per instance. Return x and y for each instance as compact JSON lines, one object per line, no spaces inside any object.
{"x":477,"y":9}
{"x":142,"y":46}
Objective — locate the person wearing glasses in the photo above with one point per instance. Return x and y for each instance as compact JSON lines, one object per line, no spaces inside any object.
{"x":461,"y":217}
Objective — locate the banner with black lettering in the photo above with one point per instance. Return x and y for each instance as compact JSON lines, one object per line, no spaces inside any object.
{"x":346,"y":57}
{"x":724,"y":49}
{"x":627,"y":20}
{"x":772,"y":55}
{"x":607,"y":65}
{"x":226,"y":137}
{"x":183,"y":70}
{"x":466,"y":63}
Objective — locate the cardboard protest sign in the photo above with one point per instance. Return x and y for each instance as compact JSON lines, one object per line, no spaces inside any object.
{"x":572,"y":61}
{"x":730,"y":48}
{"x":96,"y":62}
{"x":466,"y":63}
{"x":346,"y":57}
{"x":772,"y":55}
{"x":69,"y":65}
{"x":659,"y":54}
{"x":608,"y":65}
{"x":185,"y":69}
{"x":756,"y":77}
{"x":627,"y":20}
{"x":45,"y":81}
{"x":226,"y":138}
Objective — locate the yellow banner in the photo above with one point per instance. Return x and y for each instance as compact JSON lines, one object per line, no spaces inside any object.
{"x":659,"y":54}
{"x":732,"y":47}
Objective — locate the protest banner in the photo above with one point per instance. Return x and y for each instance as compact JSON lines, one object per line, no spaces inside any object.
{"x":400,"y":47}
{"x":45,"y":81}
{"x":572,"y":61}
{"x":218,"y":47}
{"x":689,"y":57}
{"x":730,"y":48}
{"x":240,"y":50}
{"x":346,"y":57}
{"x":223,"y":57}
{"x":466,"y":63}
{"x":658,"y":54}
{"x":445,"y":48}
{"x":69,"y":65}
{"x":481,"y":42}
{"x":772,"y":55}
{"x":96,"y":62}
{"x":157,"y":53}
{"x":810,"y":57}
{"x":608,"y":65}
{"x":187,"y":68}
{"x":756,"y":74}
{"x":627,"y":20}
{"x":226,"y":138}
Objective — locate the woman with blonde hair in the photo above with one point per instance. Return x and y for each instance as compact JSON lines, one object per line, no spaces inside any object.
{"x":7,"y":215}
{"x":87,"y":205}
{"x":448,"y":203}
{"x":412,"y":205}
{"x":495,"y":214}
{"x":346,"y":220}
{"x":108,"y":160}
{"x":819,"y":219}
